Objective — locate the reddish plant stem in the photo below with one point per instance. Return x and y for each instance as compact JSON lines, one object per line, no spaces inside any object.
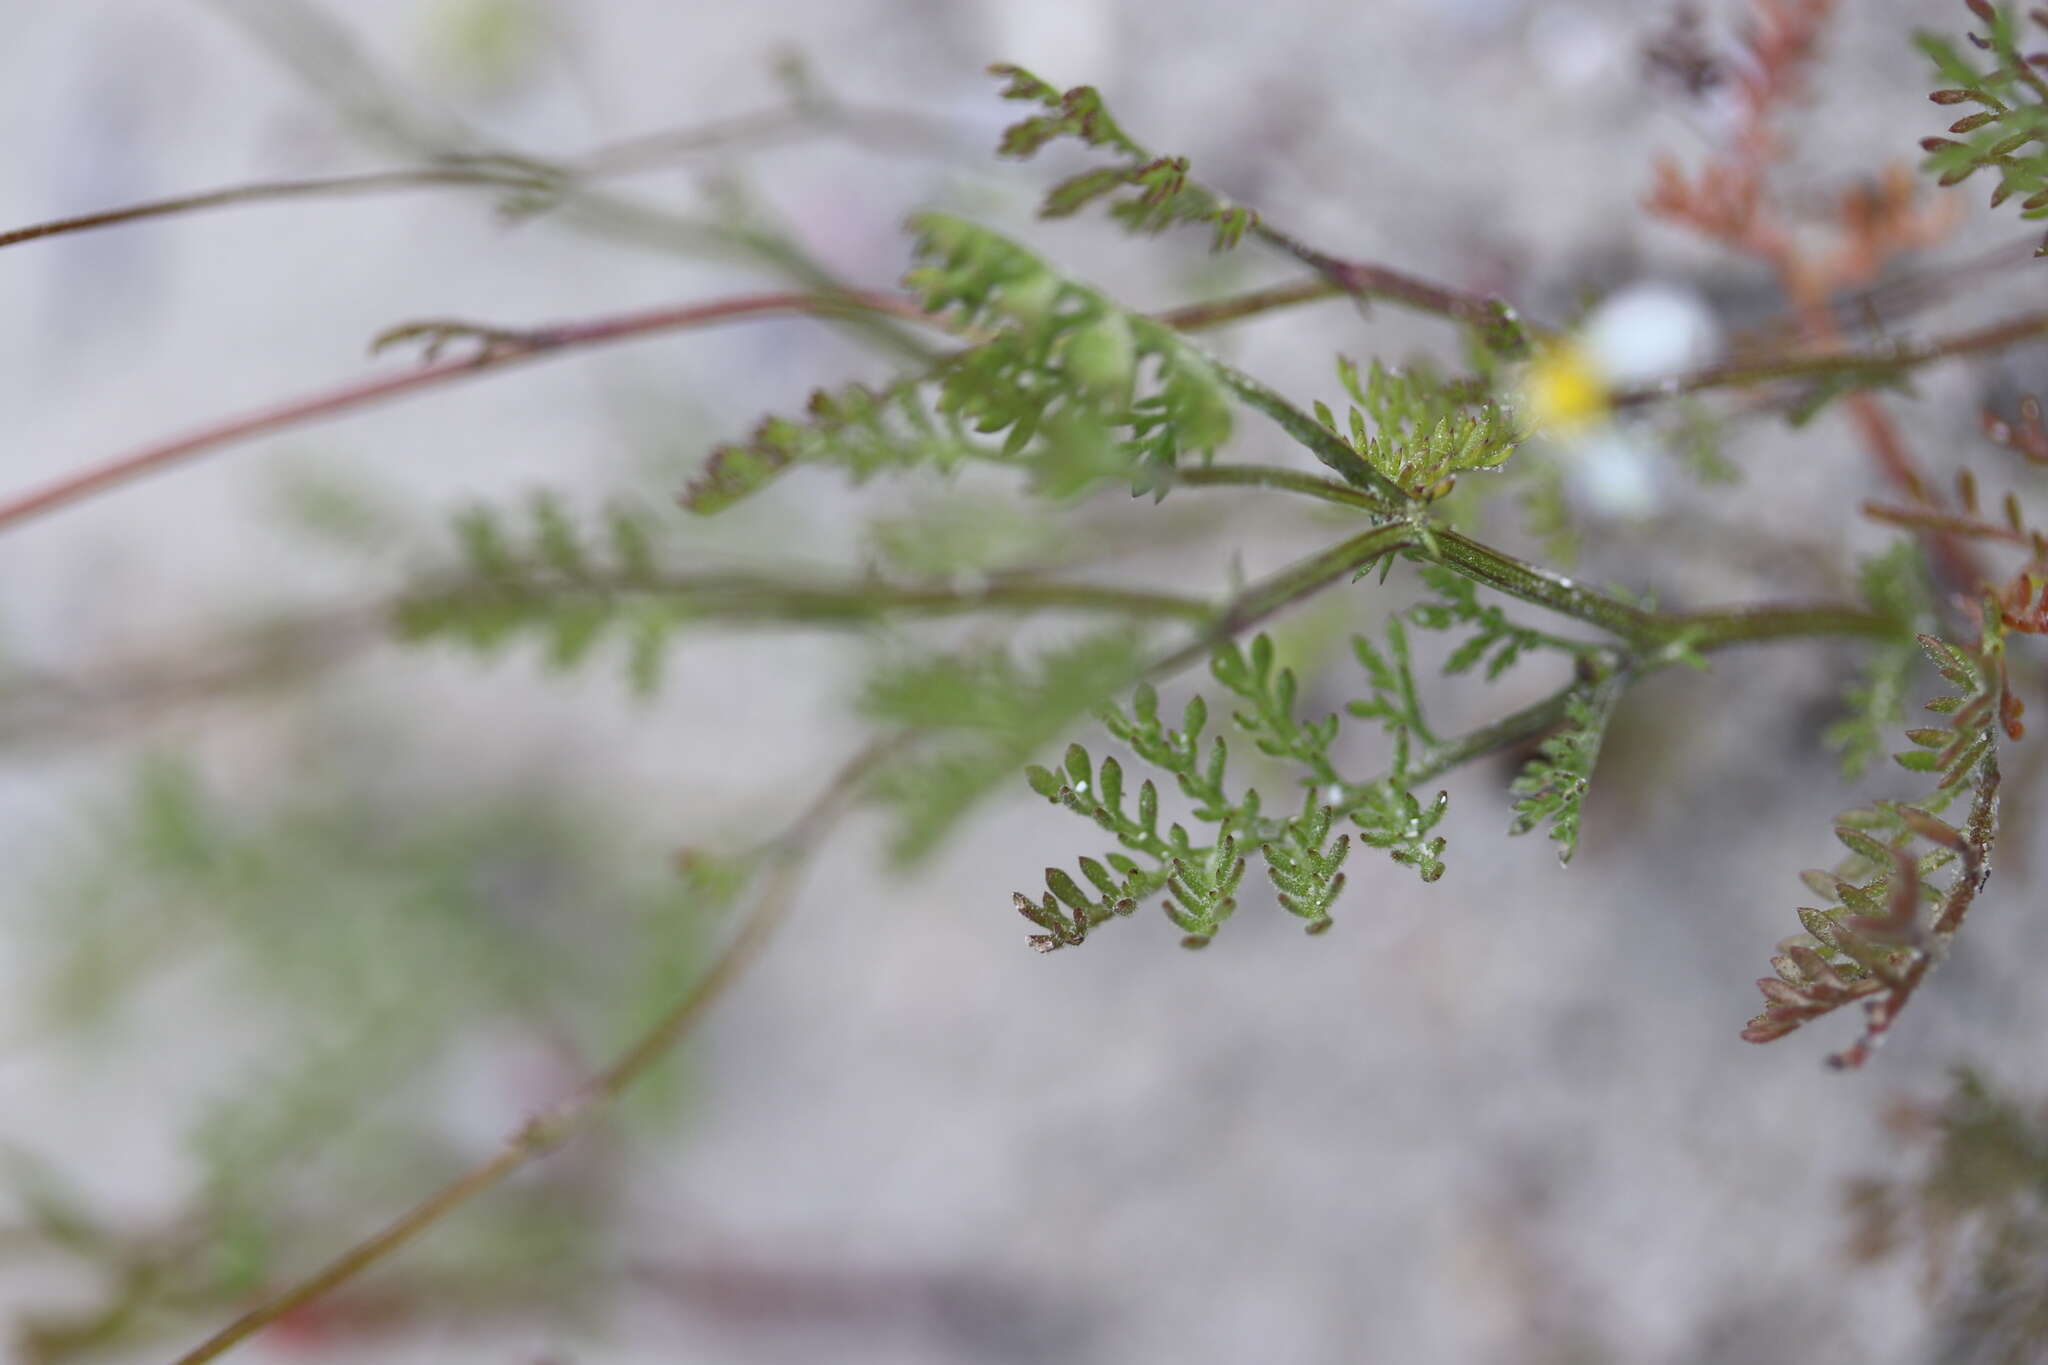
{"x":501,"y":348}
{"x":274,"y":190}
{"x":1898,"y":359}
{"x":500,"y":351}
{"x":1729,"y":200}
{"x":1948,"y":523}
{"x":1366,"y":280}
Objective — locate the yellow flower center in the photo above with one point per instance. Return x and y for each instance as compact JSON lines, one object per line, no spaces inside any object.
{"x":1563,"y":388}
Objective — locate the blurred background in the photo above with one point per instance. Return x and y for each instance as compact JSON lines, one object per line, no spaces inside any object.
{"x":300,"y":920}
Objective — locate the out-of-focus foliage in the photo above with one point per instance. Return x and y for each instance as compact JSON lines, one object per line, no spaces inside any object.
{"x":1975,"y":1215}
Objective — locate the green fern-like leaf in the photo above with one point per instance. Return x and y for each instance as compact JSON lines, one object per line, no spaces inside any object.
{"x":1201,"y":878}
{"x":1146,"y":193}
{"x":1395,"y":703}
{"x":1305,"y":869}
{"x":2007,"y":133}
{"x":1500,"y":642}
{"x":1061,"y":347}
{"x":985,"y":714}
{"x":1551,"y":788}
{"x":553,"y":581}
{"x":1418,"y":431}
{"x":1269,"y":719}
{"x":860,"y":430}
{"x":1894,"y":584}
{"x":1061,"y":383}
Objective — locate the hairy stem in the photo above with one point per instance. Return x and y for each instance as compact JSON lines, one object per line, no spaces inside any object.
{"x":1642,"y":630}
{"x":1520,"y":579}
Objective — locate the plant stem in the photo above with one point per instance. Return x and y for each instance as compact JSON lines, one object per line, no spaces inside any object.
{"x":1515,"y":728}
{"x":1198,"y":317}
{"x":1365,"y":280}
{"x":787,"y":855}
{"x":1950,"y":523}
{"x":1897,"y":359}
{"x":513,"y":349}
{"x":502,"y":347}
{"x":271,"y":191}
{"x":759,"y":598}
{"x":1290,"y":585}
{"x":1272,"y":476}
{"x":1705,"y":631}
{"x":627,"y":156}
{"x":1519,"y":579}
{"x":1643,"y":630}
{"x":1326,"y":445}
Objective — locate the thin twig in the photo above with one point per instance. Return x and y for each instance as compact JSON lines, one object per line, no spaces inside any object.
{"x":829,"y":118}
{"x":270,"y":191}
{"x":628,"y":156}
{"x":508,"y":349}
{"x":499,"y":348}
{"x":1731,"y":200}
{"x":1199,"y":317}
{"x":766,"y":598}
{"x":1946,"y":523}
{"x":1698,"y":631}
{"x":1898,"y":359}
{"x":38,"y":711}
{"x":41,"y":710}
{"x":548,"y":1131}
{"x":1366,"y":280}
{"x":1292,"y":584}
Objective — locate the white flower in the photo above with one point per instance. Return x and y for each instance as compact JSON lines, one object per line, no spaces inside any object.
{"x":1637,"y":336}
{"x":1649,"y":332}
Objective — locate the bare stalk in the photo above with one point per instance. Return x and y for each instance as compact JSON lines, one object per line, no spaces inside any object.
{"x":501,"y":351}
{"x":499,"y":348}
{"x":545,"y":1132}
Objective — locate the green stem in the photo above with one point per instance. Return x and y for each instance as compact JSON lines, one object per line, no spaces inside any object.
{"x":1326,"y":445}
{"x":1440,"y":756}
{"x":1519,"y":579}
{"x":1515,"y":728}
{"x":740,"y":597}
{"x":1434,"y":542}
{"x":1271,"y":476}
{"x":1288,"y":586}
{"x":1197,"y":317}
{"x":1710,"y":630}
{"x":1642,"y":631}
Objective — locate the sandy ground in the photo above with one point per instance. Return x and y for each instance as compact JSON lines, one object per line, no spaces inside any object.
{"x":1504,"y":1118}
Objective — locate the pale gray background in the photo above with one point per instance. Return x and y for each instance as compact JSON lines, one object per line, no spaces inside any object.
{"x":1504,"y":1118}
